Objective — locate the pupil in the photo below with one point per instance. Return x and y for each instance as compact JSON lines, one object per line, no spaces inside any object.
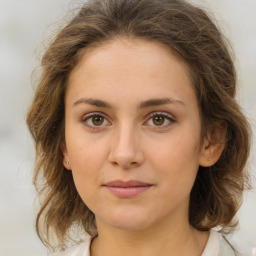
{"x":158,"y":120}
{"x":97,"y":120}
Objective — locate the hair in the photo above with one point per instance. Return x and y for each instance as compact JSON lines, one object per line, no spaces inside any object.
{"x":191,"y":34}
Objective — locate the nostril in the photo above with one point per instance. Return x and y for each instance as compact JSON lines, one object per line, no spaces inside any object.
{"x":114,"y":163}
{"x":126,"y":156}
{"x":125,"y":165}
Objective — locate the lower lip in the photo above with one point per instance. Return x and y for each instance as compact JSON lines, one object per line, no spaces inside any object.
{"x":126,"y":192}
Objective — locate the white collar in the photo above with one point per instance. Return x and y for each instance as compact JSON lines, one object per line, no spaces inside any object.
{"x":213,"y":244}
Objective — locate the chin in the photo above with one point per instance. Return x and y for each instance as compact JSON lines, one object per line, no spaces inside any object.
{"x":129,"y":219}
{"x":130,"y":224}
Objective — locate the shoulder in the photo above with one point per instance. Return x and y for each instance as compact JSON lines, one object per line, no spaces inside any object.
{"x":82,"y":249}
{"x":232,"y":245}
{"x":220,"y":244}
{"x":226,"y":248}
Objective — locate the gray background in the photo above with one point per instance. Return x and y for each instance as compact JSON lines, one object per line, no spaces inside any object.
{"x":25,"y":27}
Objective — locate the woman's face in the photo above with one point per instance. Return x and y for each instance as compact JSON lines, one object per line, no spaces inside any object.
{"x":132,"y":129}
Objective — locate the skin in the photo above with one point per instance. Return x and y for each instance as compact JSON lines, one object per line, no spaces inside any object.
{"x":129,"y":139}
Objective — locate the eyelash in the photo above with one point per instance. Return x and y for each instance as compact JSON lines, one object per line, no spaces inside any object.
{"x":164,"y":115}
{"x":90,"y":116}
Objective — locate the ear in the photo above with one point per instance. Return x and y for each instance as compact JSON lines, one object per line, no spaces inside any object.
{"x":213,"y":144}
{"x":65,"y":161}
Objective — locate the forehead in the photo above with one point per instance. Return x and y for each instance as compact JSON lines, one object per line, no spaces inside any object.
{"x":123,"y":49}
{"x":130,"y":67}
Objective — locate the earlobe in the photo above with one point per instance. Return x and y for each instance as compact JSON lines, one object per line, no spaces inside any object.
{"x":214,"y":144}
{"x":65,"y":161}
{"x":66,"y":164}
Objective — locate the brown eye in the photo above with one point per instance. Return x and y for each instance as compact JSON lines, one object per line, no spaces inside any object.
{"x":97,"y":120}
{"x":158,"y":120}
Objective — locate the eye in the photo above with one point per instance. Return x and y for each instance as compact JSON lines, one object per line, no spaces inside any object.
{"x":160,"y":120}
{"x":95,"y":120}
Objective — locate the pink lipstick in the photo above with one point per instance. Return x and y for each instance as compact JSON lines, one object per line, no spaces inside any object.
{"x":127,"y":189}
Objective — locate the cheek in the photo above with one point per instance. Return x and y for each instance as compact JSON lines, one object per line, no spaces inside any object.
{"x":86,"y":167}
{"x":84,"y":149}
{"x":178,"y":150}
{"x":177,"y":159}
{"x":86,"y":158}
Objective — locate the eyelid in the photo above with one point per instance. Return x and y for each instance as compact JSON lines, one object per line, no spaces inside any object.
{"x":90,"y":115}
{"x":161,"y":113}
{"x":166,"y":115}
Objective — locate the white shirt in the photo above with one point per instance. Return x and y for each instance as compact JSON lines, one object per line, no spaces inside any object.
{"x":217,"y":245}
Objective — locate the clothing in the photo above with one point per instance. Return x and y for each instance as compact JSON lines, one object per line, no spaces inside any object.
{"x":217,"y":245}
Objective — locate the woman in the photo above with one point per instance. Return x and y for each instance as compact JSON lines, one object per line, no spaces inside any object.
{"x":139,"y":140}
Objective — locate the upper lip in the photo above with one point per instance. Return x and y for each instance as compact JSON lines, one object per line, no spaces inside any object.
{"x":126,"y":184}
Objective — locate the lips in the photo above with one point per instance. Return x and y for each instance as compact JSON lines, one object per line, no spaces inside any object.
{"x":126,"y":184}
{"x":127,"y":189}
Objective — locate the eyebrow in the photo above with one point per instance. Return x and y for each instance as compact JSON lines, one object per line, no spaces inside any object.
{"x":142,"y":105}
{"x":159,"y":102}
{"x":93,"y":102}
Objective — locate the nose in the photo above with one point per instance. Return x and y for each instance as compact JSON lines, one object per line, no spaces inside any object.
{"x":126,"y":149}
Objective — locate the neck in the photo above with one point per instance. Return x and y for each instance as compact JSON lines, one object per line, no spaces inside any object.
{"x":164,"y":239}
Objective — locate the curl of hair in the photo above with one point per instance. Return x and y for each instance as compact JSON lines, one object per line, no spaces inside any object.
{"x":189,"y":32}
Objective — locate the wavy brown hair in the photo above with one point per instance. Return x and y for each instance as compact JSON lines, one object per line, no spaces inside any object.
{"x":189,"y":32}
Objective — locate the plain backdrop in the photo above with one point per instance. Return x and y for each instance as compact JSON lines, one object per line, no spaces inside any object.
{"x":25,"y":27}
